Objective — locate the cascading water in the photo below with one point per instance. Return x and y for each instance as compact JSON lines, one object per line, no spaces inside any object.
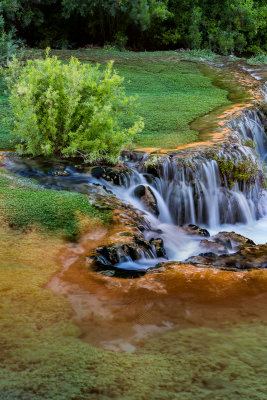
{"x":197,"y":192}
{"x":193,"y":190}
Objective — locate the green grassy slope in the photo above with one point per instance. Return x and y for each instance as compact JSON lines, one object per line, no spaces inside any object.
{"x":171,"y":94}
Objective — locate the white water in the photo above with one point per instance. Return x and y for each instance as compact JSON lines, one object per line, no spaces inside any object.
{"x":194,"y":192}
{"x":198,"y":194}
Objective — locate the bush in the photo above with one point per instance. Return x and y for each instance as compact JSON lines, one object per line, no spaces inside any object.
{"x":70,"y":110}
{"x":259,"y":59}
{"x":8,"y":47}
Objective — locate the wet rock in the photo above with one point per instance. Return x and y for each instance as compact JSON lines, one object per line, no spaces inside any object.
{"x":141,"y":228}
{"x":249,"y":257}
{"x":159,"y":247}
{"x":109,"y":258}
{"x":214,"y":247}
{"x":202,"y":258}
{"x":114,"y":175}
{"x":232,"y":240}
{"x":146,"y":196}
{"x":192,"y":229}
{"x":133,"y":156}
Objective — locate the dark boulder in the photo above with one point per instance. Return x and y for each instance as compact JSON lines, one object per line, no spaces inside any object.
{"x":147,"y":198}
{"x":192,"y":229}
{"x":116,"y":176}
{"x":249,"y":257}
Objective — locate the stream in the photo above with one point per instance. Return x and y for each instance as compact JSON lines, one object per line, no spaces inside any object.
{"x":192,"y":191}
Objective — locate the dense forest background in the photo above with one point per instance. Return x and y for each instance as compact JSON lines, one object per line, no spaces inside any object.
{"x":223,"y":26}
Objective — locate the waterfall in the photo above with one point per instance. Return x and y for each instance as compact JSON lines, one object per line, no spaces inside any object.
{"x":198,"y":192}
{"x":250,"y":126}
{"x":185,"y":188}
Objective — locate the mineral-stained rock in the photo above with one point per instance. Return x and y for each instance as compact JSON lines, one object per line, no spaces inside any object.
{"x":146,"y":196}
{"x":192,"y":229}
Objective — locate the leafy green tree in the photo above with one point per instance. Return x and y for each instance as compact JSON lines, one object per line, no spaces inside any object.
{"x":195,"y":34}
{"x":70,"y":110}
{"x":225,"y":26}
{"x":8,"y":45}
{"x":113,"y":16}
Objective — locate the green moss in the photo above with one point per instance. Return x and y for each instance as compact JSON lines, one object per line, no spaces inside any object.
{"x":24,"y":204}
{"x":152,"y":161}
{"x":238,"y":171}
{"x":250,"y":143}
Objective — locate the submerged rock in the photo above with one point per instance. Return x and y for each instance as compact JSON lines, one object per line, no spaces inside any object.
{"x":147,"y":198}
{"x":59,"y":172}
{"x":213,"y":246}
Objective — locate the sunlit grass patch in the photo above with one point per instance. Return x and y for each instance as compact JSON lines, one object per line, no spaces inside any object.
{"x":23,"y":205}
{"x":171,"y":93}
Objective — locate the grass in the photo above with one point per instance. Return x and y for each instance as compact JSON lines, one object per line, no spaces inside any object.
{"x":199,"y":55}
{"x":171,"y":96}
{"x":171,"y":93}
{"x":23,"y":204}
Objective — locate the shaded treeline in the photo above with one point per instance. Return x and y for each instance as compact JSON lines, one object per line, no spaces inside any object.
{"x":224,"y":26}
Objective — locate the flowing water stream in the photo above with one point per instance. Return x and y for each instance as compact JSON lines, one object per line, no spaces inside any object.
{"x":192,"y":192}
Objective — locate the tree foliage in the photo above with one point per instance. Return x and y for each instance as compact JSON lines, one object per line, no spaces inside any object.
{"x":70,"y":109}
{"x":224,"y":26}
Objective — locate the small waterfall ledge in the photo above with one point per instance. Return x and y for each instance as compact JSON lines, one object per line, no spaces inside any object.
{"x":218,"y":185}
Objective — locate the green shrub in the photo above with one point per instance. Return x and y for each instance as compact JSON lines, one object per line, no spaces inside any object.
{"x":8,"y":47}
{"x":198,"y":55}
{"x":70,"y":110}
{"x":258,"y":59}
